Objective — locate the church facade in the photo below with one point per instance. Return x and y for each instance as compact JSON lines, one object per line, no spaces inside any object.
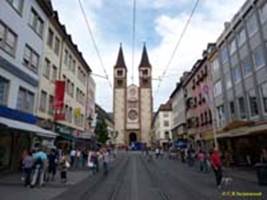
{"x":132,"y":105}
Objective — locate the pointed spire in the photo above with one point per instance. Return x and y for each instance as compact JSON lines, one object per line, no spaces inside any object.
{"x":144,"y":59}
{"x":120,"y":60}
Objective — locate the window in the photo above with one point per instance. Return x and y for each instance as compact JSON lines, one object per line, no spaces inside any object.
{"x":236,"y":74}
{"x":263,"y":13}
{"x":50,"y":105}
{"x":246,"y":66}
{"x":73,"y":66}
{"x":253,"y":103}
{"x":25,"y":101}
{"x":50,"y":38}
{"x":119,"y":72}
{"x":232,"y":47}
{"x":263,"y":95}
{"x":54,"y":73}
{"x":66,"y":57}
{"x":145,"y":72}
{"x":36,"y":23}
{"x":70,"y":115}
{"x":258,"y":57}
{"x":232,"y":107}
{"x":70,"y":62}
{"x":17,"y":5}
{"x":4,"y":86}
{"x":166,"y":123}
{"x":57,"y":45}
{"x":218,"y":88}
{"x":220,"y":116}
{"x":46,"y":71}
{"x":228,"y":81}
{"x":252,"y":25}
{"x":167,"y":135}
{"x":8,"y":39}
{"x":241,"y":37}
{"x":165,"y":114}
{"x":30,"y":58}
{"x":43,"y":101}
{"x":215,"y":67}
{"x":242,"y":109}
{"x":224,"y":55}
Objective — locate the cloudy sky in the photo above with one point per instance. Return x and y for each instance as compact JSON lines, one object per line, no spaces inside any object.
{"x":159,"y":23}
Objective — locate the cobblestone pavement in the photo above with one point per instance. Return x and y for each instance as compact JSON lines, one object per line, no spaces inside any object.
{"x":133,"y":177}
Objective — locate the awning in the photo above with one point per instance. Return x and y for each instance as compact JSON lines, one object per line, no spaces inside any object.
{"x":14,"y":124}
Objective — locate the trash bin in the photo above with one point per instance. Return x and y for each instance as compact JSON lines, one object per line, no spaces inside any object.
{"x":261,"y":173}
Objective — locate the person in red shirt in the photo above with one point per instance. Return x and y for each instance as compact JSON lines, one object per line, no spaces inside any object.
{"x":216,"y":165}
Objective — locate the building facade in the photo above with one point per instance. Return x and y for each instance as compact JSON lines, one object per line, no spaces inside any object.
{"x":240,"y":83}
{"x":22,"y":32}
{"x":32,"y":59}
{"x":132,"y":105}
{"x":177,"y":99}
{"x":162,"y":125}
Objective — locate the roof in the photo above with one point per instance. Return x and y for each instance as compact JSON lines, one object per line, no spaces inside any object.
{"x":144,"y":59}
{"x":120,"y":60}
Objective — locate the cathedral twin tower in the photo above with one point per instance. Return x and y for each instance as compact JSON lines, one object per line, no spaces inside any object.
{"x":132,"y":105}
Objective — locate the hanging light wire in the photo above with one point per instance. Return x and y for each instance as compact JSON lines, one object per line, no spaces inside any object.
{"x":133,"y":39}
{"x":177,"y":44}
{"x":94,"y":43}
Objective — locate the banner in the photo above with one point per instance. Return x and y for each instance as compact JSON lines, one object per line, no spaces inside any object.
{"x":59,"y":100}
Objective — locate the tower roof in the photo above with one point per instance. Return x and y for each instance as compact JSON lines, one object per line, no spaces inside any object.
{"x":144,"y":59}
{"x":120,"y":60}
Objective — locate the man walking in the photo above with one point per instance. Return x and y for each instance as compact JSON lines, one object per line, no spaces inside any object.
{"x":216,"y":164}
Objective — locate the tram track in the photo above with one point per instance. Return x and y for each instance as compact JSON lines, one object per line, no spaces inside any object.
{"x":155,"y":181}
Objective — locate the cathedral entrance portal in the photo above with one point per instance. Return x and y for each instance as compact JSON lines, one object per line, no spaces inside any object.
{"x":132,"y":138}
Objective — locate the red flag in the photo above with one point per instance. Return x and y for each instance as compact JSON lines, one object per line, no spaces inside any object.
{"x":59,"y":100}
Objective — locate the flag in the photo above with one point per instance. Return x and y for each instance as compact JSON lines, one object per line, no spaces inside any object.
{"x":59,"y":100}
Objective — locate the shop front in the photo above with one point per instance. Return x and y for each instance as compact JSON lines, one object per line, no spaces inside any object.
{"x":244,"y":144}
{"x":17,"y":130}
{"x":65,"y":140}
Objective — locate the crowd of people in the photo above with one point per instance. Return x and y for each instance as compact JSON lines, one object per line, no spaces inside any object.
{"x":40,"y":165}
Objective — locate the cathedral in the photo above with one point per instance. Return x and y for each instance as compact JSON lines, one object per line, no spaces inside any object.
{"x":132,"y":105}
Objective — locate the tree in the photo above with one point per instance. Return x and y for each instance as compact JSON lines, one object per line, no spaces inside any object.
{"x":101,"y":130}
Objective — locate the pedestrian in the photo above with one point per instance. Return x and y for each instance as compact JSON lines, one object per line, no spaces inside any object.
{"x":27,"y":168}
{"x":72,"y":157}
{"x":216,"y":165}
{"x":106,"y":160}
{"x":78,"y":158}
{"x":84,"y":157}
{"x":52,"y":164}
{"x":63,"y":166}
{"x":39,"y":166}
{"x":157,"y":152}
{"x":201,"y":159}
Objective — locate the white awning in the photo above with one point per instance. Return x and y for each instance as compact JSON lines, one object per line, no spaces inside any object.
{"x":27,"y":127}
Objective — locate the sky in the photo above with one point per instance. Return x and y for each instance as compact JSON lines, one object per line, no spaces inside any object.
{"x":159,"y":24}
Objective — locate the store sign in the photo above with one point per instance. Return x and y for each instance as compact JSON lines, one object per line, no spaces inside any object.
{"x":59,"y":100}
